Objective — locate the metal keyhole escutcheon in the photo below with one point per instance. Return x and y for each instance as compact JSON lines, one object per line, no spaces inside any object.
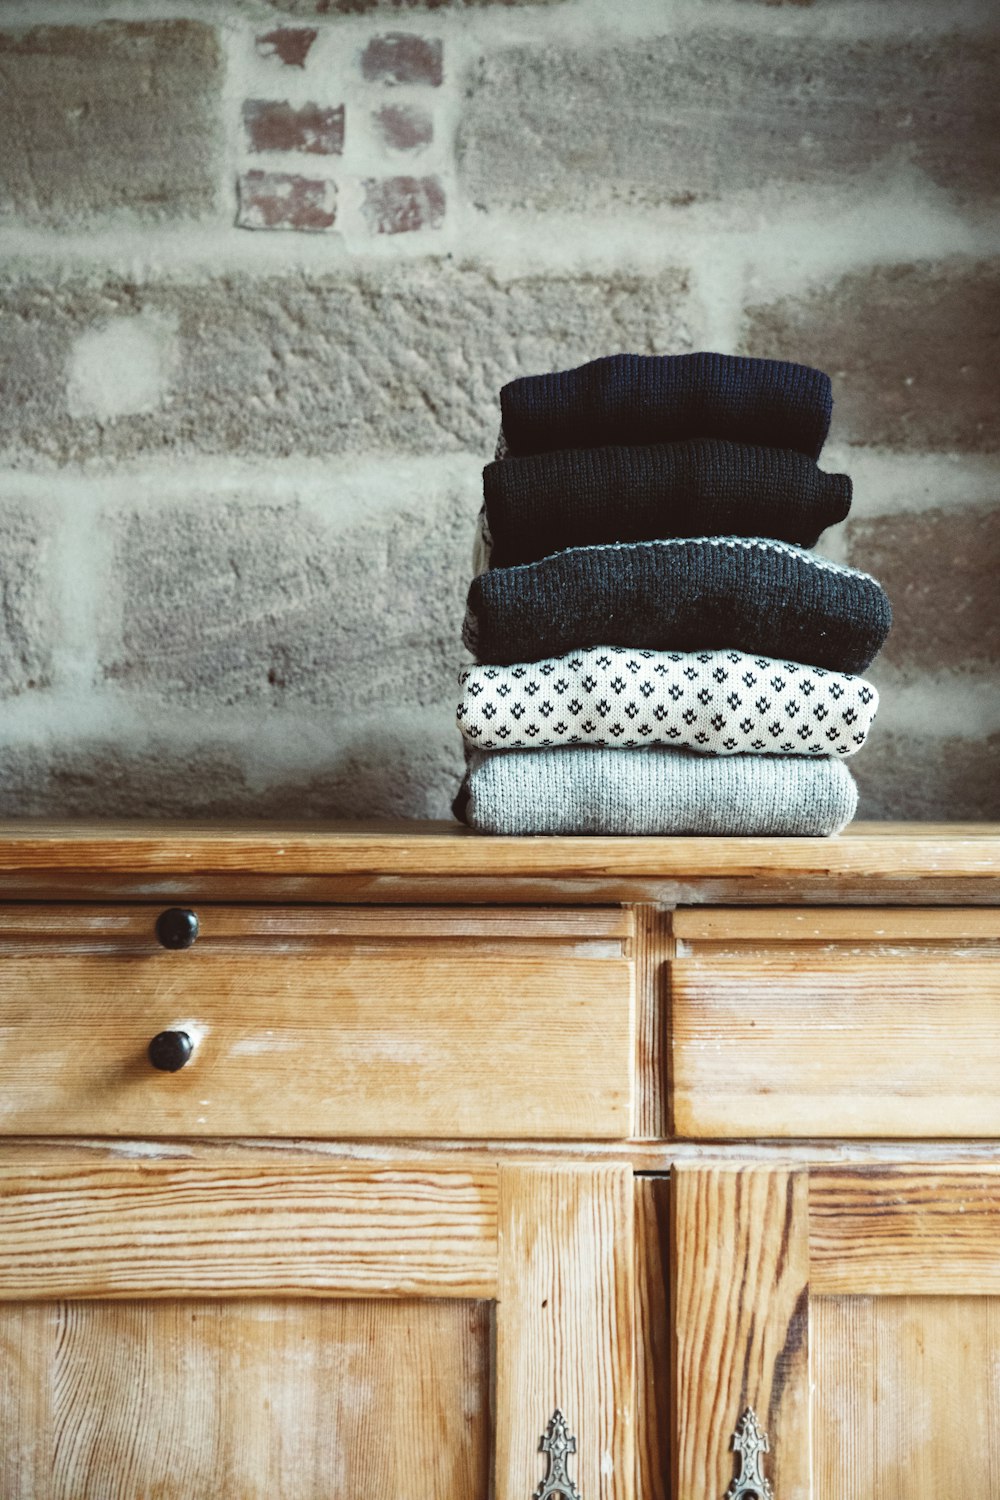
{"x":750,"y":1442}
{"x":558,"y":1443}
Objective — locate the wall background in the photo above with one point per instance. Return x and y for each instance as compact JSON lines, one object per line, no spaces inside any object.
{"x":264,"y":267}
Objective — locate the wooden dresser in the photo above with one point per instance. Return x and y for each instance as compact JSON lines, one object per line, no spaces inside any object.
{"x":394,"y":1163}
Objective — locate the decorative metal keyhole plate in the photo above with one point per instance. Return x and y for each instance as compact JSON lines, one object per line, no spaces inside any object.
{"x":558,"y":1442}
{"x":750,"y":1442}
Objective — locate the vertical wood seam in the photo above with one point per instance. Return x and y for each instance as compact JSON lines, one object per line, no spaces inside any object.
{"x":654,"y":947}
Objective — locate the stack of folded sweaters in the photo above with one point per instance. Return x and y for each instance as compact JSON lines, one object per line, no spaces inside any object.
{"x":656,"y":650}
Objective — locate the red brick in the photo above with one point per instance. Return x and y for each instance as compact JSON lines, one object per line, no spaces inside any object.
{"x":274,"y":125}
{"x":399,"y":57}
{"x":397,"y":205}
{"x":404,"y":127}
{"x":289,"y":44}
{"x":278,"y":200}
{"x":940,"y":569}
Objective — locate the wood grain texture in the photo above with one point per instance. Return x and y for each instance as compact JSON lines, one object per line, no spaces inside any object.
{"x":157,"y":1230}
{"x":653,"y":949}
{"x":907,"y":1397}
{"x":907,"y":1230}
{"x":313,"y":1399}
{"x":440,"y":863}
{"x":698,"y":928}
{"x":835,"y":1047}
{"x":109,"y":928}
{"x":652,"y":1338}
{"x":739,"y":1324}
{"x":564,"y":1330}
{"x":430,"y":1040}
{"x":445,"y":849}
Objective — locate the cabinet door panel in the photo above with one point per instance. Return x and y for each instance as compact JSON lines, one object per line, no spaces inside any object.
{"x":881,"y":1377}
{"x":907,"y":1397}
{"x":183,"y":1399}
{"x":184,"y":1329}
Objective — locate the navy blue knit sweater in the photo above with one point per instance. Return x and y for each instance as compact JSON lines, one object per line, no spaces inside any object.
{"x":695,"y":594}
{"x":580,"y":497}
{"x":657,"y":398}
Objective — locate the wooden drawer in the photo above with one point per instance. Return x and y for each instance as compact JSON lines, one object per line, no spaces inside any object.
{"x":835,"y":1023}
{"x":318,"y":1021}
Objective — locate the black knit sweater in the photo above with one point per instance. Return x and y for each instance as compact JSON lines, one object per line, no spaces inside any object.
{"x":750,"y":593}
{"x":654,"y":398}
{"x":580,"y":497}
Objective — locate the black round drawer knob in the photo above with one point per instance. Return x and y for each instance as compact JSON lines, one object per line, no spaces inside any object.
{"x":170,"y":1050}
{"x":177,"y":927}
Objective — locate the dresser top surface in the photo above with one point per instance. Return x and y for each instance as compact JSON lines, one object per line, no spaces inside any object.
{"x":428,"y":850}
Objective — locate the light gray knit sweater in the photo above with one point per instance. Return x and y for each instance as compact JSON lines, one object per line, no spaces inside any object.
{"x":654,"y":791}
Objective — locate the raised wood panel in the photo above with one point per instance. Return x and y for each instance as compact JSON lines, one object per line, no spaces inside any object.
{"x":155,"y":1230}
{"x":834,"y":1047}
{"x":907,"y":1397}
{"x":739,"y":1257}
{"x":652,"y":1338}
{"x":565,"y":1330}
{"x":313,"y":1399}
{"x":905,"y":1230}
{"x":436,"y":1040}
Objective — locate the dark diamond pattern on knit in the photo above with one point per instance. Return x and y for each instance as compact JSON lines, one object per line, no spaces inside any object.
{"x":716,"y":702}
{"x":690,"y":594}
{"x":587,"y":496}
{"x":654,"y":398}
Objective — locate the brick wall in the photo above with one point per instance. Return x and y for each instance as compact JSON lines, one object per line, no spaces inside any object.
{"x":265,"y":266}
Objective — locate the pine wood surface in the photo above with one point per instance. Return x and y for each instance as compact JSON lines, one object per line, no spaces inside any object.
{"x":565,"y":1331}
{"x":437,"y":1040}
{"x":316,"y":1399}
{"x":658,"y":1157}
{"x":835,"y":1046}
{"x":429,"y":862}
{"x":907,"y":1397}
{"x":653,"y":948}
{"x":99,"y":928}
{"x":739,"y":1256}
{"x":445,"y":849}
{"x":894,"y":1329}
{"x":905,"y":1230}
{"x":652,"y":1338}
{"x":173,"y":1230}
{"x":848,"y":926}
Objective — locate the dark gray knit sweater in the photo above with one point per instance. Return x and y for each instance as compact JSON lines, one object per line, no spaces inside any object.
{"x":690,"y":594}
